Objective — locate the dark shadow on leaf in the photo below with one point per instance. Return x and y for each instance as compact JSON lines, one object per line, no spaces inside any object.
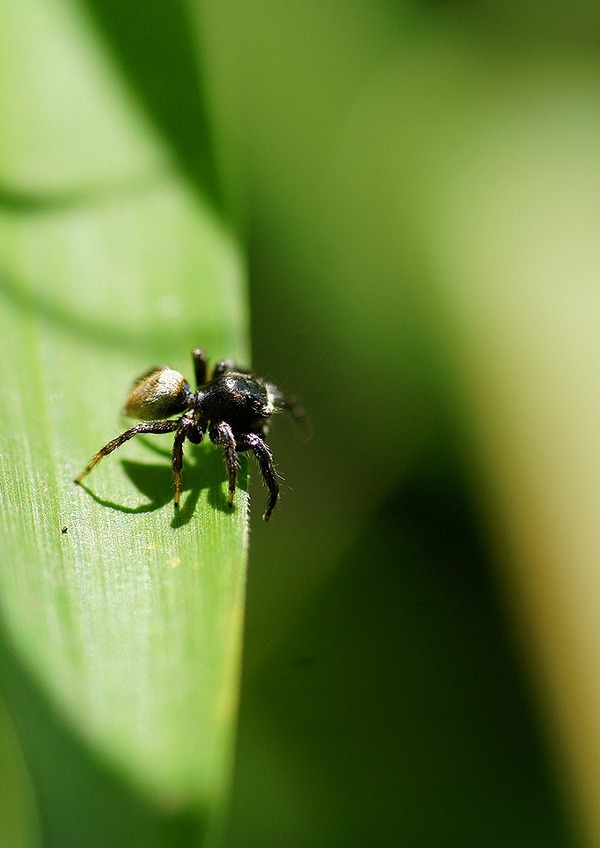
{"x":154,"y":481}
{"x":157,"y":51}
{"x":203,"y":469}
{"x":154,"y":447}
{"x":64,"y":765}
{"x":217,"y":495}
{"x":22,"y":202}
{"x":71,"y":321}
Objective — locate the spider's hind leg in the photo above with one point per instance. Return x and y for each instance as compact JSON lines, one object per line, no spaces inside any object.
{"x":144,"y":427}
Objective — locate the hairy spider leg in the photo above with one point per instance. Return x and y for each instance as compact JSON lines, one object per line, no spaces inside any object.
{"x":144,"y":427}
{"x":185,"y":424}
{"x":253,"y":442}
{"x":221,"y":434}
{"x":200,"y":363}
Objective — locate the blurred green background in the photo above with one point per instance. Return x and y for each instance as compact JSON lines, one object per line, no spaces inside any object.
{"x":417,"y":186}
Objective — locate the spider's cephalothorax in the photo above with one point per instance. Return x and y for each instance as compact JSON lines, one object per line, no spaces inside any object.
{"x":233,"y":407}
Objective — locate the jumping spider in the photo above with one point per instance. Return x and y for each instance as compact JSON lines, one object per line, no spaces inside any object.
{"x":233,"y":407}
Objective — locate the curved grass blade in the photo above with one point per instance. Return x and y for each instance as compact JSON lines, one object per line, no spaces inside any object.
{"x":120,"y":621}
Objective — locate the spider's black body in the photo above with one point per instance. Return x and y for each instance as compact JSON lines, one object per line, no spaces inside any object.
{"x":233,"y":407}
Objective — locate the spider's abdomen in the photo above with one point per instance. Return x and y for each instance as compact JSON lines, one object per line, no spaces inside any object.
{"x":159,"y":393}
{"x":239,"y":399}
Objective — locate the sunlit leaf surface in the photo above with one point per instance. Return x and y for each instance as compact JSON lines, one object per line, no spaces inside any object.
{"x":120,"y":620}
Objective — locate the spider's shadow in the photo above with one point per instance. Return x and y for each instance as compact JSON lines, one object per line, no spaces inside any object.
{"x":204,"y":468}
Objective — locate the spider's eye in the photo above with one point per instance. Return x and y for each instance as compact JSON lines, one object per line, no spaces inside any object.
{"x":159,"y":393}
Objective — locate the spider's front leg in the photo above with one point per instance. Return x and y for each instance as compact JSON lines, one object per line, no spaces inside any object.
{"x":222,"y":434}
{"x":262,"y":452}
{"x":139,"y":429}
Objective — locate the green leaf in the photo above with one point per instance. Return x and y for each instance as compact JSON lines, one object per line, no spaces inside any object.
{"x":120,"y":620}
